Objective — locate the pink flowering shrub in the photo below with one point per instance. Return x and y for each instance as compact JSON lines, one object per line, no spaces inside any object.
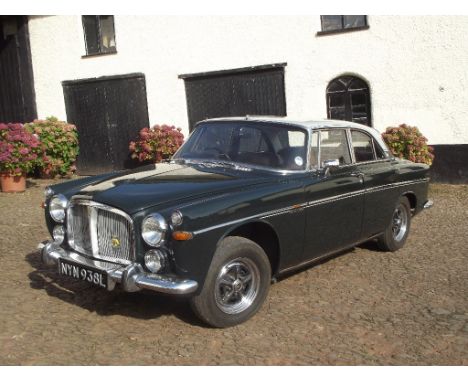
{"x":156,"y":143}
{"x":59,"y":142}
{"x":407,"y":142}
{"x":20,"y":150}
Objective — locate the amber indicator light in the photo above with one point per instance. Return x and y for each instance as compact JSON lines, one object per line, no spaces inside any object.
{"x":182,"y":235}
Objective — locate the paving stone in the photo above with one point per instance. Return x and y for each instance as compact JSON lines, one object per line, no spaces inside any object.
{"x":362,"y":308}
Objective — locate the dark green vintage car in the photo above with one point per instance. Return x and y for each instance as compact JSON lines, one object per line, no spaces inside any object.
{"x":243,"y":201}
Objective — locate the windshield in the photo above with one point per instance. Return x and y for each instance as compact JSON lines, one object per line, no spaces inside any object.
{"x":280,"y":147}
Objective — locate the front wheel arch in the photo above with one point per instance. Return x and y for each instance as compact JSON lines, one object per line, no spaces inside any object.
{"x":264,"y":235}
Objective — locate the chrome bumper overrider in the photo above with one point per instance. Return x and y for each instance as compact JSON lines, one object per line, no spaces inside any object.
{"x":428,"y":204}
{"x":132,"y":277}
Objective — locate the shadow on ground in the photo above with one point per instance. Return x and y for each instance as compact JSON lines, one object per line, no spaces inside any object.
{"x":142,"y":305}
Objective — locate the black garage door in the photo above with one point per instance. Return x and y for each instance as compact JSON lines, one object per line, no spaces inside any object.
{"x":248,"y":91}
{"x":108,"y":113}
{"x":17,"y":98}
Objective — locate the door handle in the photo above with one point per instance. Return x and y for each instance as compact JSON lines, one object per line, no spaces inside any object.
{"x":358,"y":174}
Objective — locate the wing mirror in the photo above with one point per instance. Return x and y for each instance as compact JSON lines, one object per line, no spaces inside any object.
{"x":329,"y":165}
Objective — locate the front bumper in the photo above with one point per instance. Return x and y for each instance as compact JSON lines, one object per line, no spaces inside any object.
{"x":131,"y":277}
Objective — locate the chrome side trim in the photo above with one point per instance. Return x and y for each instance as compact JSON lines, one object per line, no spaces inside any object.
{"x":312,"y":203}
{"x":335,"y":198}
{"x":322,"y":257}
{"x":395,"y":185}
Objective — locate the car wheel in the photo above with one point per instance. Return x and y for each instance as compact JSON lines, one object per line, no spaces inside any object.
{"x":236,"y":285}
{"x":397,"y":232}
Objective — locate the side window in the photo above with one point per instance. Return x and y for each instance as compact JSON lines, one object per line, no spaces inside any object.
{"x":99,"y":34}
{"x":362,"y":146}
{"x":334,"y":145}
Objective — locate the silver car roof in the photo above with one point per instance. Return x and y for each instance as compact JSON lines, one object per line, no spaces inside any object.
{"x":309,"y":125}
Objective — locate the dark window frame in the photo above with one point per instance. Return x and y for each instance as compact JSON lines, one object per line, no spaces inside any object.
{"x":343,"y":29}
{"x":347,"y":90}
{"x":100,"y":51}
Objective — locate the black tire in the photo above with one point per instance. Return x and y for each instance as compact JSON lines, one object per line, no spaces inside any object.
{"x":236,"y":285}
{"x":397,"y":231}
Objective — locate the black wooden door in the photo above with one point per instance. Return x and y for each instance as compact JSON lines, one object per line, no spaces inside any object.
{"x":17,"y":96}
{"x":108,"y":113}
{"x":254,"y":91}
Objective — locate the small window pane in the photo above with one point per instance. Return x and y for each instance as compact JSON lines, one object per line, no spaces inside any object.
{"x":314,"y":150}
{"x":334,"y":145}
{"x":337,"y":100}
{"x":331,"y":23}
{"x":378,"y":151}
{"x":354,"y":21}
{"x":107,"y":33}
{"x":362,"y":146}
{"x":358,"y":99}
{"x":296,"y":138}
{"x":91,"y":34}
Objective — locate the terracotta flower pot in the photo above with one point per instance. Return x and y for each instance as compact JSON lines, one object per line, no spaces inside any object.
{"x":11,"y":183}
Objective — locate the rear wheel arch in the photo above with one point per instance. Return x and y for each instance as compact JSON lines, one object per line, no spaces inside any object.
{"x":411,"y":199}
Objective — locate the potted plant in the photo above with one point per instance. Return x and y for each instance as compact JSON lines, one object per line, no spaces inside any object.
{"x":59,"y":142}
{"x":407,"y":142}
{"x":19,"y":153}
{"x":157,"y":143}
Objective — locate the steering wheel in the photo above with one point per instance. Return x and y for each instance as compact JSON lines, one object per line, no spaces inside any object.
{"x":220,"y":152}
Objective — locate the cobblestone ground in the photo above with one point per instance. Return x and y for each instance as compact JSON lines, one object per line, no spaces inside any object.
{"x":364,"y":307}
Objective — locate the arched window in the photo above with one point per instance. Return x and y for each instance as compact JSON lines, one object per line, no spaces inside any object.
{"x":348,"y":99}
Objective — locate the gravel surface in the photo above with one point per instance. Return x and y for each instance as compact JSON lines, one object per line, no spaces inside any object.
{"x":362,"y":308}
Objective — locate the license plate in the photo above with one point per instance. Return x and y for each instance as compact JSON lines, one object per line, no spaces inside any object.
{"x":84,"y":273}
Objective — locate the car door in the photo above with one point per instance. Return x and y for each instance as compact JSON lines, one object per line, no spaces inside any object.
{"x":335,"y":197}
{"x":379,"y":172}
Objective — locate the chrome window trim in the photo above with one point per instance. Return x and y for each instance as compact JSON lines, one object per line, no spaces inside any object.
{"x":312,"y":203}
{"x":78,"y":200}
{"x":389,"y":156}
{"x":296,"y":126}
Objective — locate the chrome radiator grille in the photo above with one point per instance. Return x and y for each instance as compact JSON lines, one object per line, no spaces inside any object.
{"x":100,"y":231}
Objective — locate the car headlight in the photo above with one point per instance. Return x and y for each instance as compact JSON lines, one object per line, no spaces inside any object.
{"x":153,"y":229}
{"x":57,"y":207}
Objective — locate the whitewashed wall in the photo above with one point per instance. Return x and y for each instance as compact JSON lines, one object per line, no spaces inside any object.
{"x":416,"y":66}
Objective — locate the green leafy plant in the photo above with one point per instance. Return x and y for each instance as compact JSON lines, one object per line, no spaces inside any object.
{"x":407,"y":142}
{"x":59,"y":142}
{"x":156,"y":143}
{"x":20,"y":150}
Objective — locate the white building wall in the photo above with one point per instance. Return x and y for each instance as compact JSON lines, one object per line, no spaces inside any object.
{"x":416,"y":66}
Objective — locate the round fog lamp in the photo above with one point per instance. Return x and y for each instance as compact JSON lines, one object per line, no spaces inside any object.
{"x":58,"y":234}
{"x":155,"y":260}
{"x":48,"y":192}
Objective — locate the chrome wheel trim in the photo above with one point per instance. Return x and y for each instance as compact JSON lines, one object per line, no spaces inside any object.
{"x":399,"y":223}
{"x":237,"y":285}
